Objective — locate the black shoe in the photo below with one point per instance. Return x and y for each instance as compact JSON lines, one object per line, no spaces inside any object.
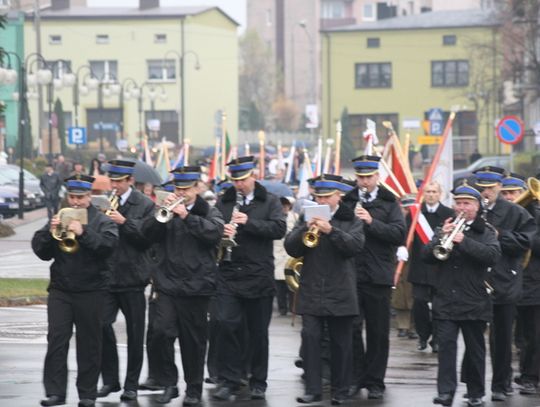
{"x":224,"y":393}
{"x":402,"y":333}
{"x":129,"y":395}
{"x":412,"y":335}
{"x":421,"y":345}
{"x":191,"y":401}
{"x":170,"y":392}
{"x":211,"y":380}
{"x":475,"y":402}
{"x":527,"y":389}
{"x":257,"y":394}
{"x":434,"y":348}
{"x":337,"y":401}
{"x":309,"y":398}
{"x":353,"y":391}
{"x":150,"y":384}
{"x":444,"y":399}
{"x":299,"y":363}
{"x":375,"y":394}
{"x":107,"y":389}
{"x":498,"y":396}
{"x":518,"y":380}
{"x":87,"y":403}
{"x":53,"y":401}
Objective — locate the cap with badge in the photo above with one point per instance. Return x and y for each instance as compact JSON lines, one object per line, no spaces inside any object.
{"x":513,"y":182}
{"x":347,"y":185}
{"x":488,"y":176}
{"x":327,"y":184}
{"x":240,"y":168}
{"x":407,"y":200}
{"x":168,"y":186}
{"x":466,"y":191}
{"x":222,"y":185}
{"x":119,"y":169}
{"x":366,"y":165}
{"x":186,"y":176}
{"x":79,"y":184}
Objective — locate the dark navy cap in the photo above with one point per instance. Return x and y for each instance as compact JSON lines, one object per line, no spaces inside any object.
{"x":168,"y":186}
{"x":513,"y":182}
{"x":466,"y":191}
{"x":79,"y":184}
{"x":328,"y":184}
{"x":407,"y":200}
{"x":366,"y":165}
{"x":241,"y":167}
{"x":186,"y":176}
{"x":120,"y":169}
{"x":488,"y":176}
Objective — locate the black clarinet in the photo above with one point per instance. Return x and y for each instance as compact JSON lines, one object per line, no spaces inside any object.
{"x":228,"y":243}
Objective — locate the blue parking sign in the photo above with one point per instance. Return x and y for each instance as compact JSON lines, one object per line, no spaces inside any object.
{"x":77,"y":135}
{"x":435,"y":117}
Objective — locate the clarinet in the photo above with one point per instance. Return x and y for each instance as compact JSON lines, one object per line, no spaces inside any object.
{"x":228,"y":242}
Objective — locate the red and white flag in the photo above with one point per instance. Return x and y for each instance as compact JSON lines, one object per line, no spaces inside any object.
{"x":423,"y":229}
{"x":397,"y":165}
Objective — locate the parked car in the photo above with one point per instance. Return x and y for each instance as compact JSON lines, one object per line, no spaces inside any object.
{"x":9,"y":202}
{"x":31,"y":183}
{"x":29,"y":198}
{"x":501,"y":161}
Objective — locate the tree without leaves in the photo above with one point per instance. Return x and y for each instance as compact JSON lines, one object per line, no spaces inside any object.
{"x":61,"y":126}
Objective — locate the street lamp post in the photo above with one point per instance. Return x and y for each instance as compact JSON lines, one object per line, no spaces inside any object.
{"x":197,"y":66}
{"x":125,"y":93}
{"x":152,"y":95}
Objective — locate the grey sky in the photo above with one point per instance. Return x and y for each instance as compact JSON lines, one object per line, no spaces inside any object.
{"x":235,"y":8}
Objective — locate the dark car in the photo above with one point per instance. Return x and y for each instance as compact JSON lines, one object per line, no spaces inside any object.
{"x":29,"y":198}
{"x":501,"y":161}
{"x":9,"y":202}
{"x":31,"y":183}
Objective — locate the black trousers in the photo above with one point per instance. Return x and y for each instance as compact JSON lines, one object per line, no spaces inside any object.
{"x":530,"y":353}
{"x":423,"y":295}
{"x":85,"y":311}
{"x":184,"y":318}
{"x":474,"y":360}
{"x":370,"y":361}
{"x":133,"y":306}
{"x":500,"y":345}
{"x":234,"y":315}
{"x":52,"y":206}
{"x":340,"y":333}
{"x":284,"y":297}
{"x":213,"y":326}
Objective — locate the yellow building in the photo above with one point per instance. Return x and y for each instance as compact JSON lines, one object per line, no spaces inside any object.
{"x":399,"y":69}
{"x":140,"y":48}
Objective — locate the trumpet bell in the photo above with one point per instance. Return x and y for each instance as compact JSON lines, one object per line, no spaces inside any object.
{"x":441,"y":253}
{"x":531,"y":194}
{"x":311,"y":238}
{"x":164,"y":215}
{"x":68,"y":243}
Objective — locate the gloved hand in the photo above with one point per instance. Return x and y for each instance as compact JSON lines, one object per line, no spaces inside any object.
{"x":402,"y":253}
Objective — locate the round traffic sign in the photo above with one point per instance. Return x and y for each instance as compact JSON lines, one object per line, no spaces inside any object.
{"x":510,"y":130}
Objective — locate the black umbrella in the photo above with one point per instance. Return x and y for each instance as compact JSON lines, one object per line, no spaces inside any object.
{"x":144,"y":173}
{"x":277,"y":188}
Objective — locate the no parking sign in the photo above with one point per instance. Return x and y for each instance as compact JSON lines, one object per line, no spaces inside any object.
{"x":510,"y":130}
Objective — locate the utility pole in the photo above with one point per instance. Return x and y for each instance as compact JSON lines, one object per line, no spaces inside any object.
{"x":37,"y":28}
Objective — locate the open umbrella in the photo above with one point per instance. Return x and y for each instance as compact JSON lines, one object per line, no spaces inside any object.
{"x":144,"y":173}
{"x":277,"y":188}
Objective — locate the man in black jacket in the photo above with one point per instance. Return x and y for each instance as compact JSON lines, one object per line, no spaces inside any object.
{"x":461,"y":300}
{"x":421,"y":274}
{"x":515,"y":229}
{"x":50,"y":183}
{"x":184,"y":283}
{"x":246,"y":282}
{"x":384,"y":228}
{"x":129,"y":277}
{"x":77,"y":288}
{"x":327,"y":292}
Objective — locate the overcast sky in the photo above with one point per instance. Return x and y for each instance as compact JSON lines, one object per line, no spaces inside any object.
{"x":234,"y":8}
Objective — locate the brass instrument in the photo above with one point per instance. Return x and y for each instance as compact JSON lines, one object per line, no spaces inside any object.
{"x":444,"y":248}
{"x":67,"y":239}
{"x":293,"y":269}
{"x":114,"y":201}
{"x":227,"y":243}
{"x":311,"y":237}
{"x":165,"y":213}
{"x":526,"y":197}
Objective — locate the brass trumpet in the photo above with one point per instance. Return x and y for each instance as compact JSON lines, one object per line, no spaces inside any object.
{"x":165,"y":213}
{"x":311,"y":237}
{"x":444,"y":248}
{"x":67,"y":240}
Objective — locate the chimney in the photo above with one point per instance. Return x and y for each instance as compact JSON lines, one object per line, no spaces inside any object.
{"x":146,"y":4}
{"x":59,"y":5}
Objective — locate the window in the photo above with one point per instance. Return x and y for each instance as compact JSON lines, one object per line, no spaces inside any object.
{"x":333,"y":9}
{"x":55,"y":39}
{"x":373,"y":42}
{"x":161,"y":69}
{"x":374,"y":75}
{"x":449,"y":73}
{"x":160,"y":38}
{"x":106,"y":71}
{"x":102,"y":39}
{"x":369,"y":12}
{"x":59,"y":68}
{"x":449,"y":40}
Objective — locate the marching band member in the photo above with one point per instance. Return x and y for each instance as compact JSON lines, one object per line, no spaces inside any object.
{"x":515,"y":228}
{"x":77,"y":288}
{"x":129,"y":277}
{"x":384,"y":228}
{"x":512,"y":186}
{"x":246,"y":282}
{"x":461,"y":301}
{"x":422,"y":275}
{"x":327,"y":289}
{"x":184,"y":283}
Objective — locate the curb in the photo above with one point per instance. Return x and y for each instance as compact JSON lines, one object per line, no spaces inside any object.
{"x":22,"y":301}
{"x":29,"y":217}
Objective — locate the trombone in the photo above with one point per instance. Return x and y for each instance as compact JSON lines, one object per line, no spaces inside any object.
{"x":165,"y":213}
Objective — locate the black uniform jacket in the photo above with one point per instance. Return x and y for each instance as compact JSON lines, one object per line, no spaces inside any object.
{"x":327,"y":282}
{"x":531,"y":274}
{"x":88,"y":268}
{"x":129,"y":270}
{"x":188,"y":264}
{"x":460,"y":290}
{"x":250,"y":274}
{"x":516,"y":227}
{"x":375,"y":264}
{"x":421,"y":272}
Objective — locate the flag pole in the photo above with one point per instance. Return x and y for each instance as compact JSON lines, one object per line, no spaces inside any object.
{"x":261,"y":137}
{"x":420,"y":196}
{"x":337,"y":156}
{"x":223,"y":136}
